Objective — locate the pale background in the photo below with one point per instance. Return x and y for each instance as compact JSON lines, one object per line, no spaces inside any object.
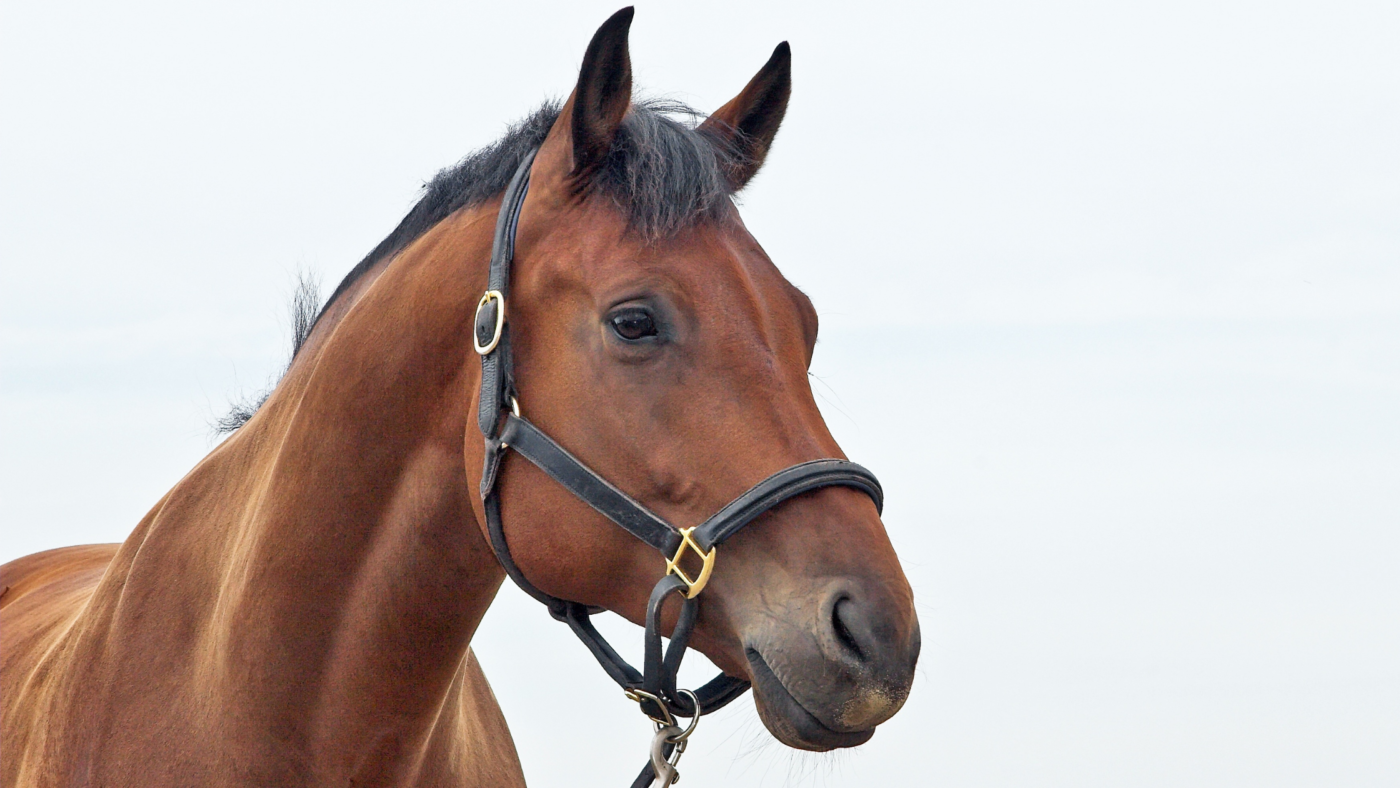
{"x":1110,"y":298}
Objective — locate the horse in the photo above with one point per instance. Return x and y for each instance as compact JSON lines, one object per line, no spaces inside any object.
{"x":299,"y":608}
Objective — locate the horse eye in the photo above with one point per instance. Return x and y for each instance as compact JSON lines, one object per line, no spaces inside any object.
{"x":633,"y":324}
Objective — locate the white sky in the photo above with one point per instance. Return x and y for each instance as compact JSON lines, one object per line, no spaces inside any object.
{"x":1110,"y":298}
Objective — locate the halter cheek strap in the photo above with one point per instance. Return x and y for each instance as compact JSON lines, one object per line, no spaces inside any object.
{"x":654,"y":687}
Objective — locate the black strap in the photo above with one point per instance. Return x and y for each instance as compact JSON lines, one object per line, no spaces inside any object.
{"x":781,"y":486}
{"x":641,"y":522}
{"x":496,"y":377}
{"x":596,"y":491}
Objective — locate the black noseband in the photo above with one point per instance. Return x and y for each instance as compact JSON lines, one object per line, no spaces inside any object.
{"x":655,"y":686}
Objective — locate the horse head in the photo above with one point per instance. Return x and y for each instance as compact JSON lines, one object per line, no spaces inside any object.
{"x":654,"y":339}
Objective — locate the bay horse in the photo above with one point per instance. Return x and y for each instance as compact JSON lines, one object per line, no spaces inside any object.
{"x":299,"y":608}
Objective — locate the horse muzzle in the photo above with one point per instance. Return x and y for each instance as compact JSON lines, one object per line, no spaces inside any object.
{"x":828,"y":684}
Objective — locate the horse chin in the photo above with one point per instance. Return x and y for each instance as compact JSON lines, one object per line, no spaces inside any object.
{"x":788,"y":720}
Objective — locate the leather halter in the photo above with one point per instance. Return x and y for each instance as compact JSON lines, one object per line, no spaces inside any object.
{"x":655,"y":686}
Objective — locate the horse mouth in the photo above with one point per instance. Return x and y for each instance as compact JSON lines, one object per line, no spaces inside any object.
{"x":788,"y":719}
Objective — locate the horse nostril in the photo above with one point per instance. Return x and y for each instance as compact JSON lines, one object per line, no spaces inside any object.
{"x":842,"y":628}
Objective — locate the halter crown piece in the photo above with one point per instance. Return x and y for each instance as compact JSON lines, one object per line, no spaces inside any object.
{"x":654,"y":688}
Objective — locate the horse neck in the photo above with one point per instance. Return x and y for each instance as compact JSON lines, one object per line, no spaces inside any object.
{"x":339,"y":571}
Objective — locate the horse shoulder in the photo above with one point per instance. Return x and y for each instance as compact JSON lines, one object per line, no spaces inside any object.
{"x":40,"y":597}
{"x":41,"y":593}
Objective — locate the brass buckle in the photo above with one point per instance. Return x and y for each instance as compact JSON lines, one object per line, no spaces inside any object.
{"x":638,"y":696}
{"x":500,"y":300}
{"x":673,"y":566}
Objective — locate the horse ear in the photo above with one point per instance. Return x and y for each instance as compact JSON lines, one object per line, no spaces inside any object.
{"x":747,"y":124}
{"x":602,"y":96}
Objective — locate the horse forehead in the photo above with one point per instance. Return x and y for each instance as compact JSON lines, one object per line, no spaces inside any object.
{"x":709,"y":260}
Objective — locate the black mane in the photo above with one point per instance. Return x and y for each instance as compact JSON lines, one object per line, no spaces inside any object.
{"x":662,"y":173}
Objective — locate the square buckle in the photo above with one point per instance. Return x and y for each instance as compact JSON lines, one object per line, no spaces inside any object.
{"x":673,"y":565}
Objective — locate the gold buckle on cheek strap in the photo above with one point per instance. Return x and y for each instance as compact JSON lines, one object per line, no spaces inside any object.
{"x":673,"y":566}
